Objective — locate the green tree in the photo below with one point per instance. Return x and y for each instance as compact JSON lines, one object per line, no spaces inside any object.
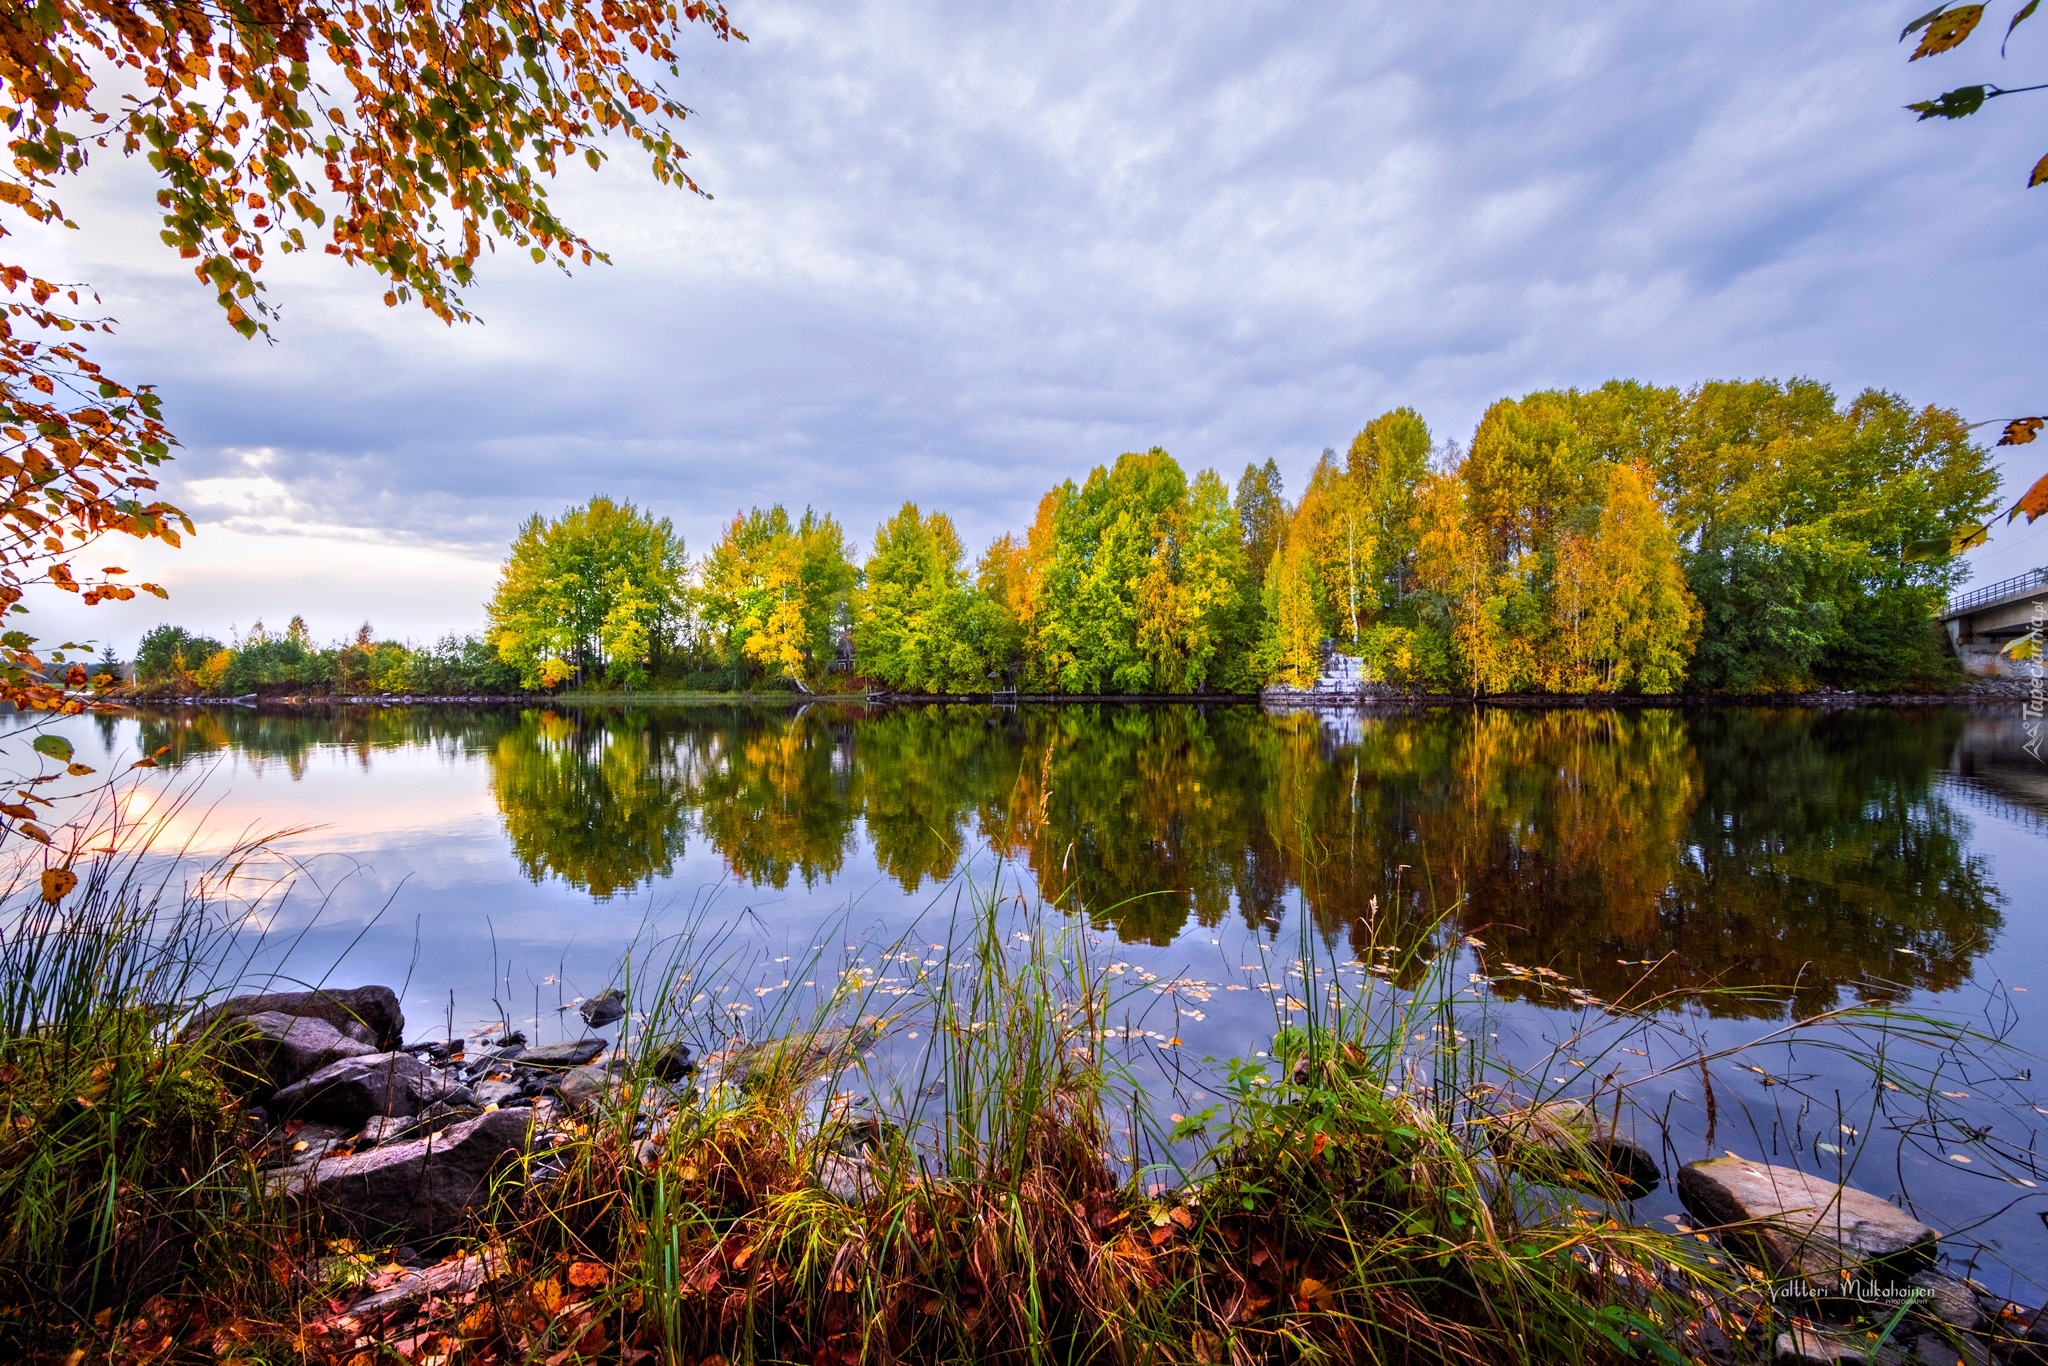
{"x":1261,"y":514}
{"x":593,"y":594}
{"x":168,"y":653}
{"x":919,"y":625}
{"x":1806,"y":526}
{"x":1132,"y":580}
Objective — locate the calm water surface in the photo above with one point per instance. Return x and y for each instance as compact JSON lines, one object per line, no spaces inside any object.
{"x":1747,"y":867}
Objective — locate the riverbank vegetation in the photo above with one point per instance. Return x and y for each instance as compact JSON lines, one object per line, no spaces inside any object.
{"x":1742,"y":538}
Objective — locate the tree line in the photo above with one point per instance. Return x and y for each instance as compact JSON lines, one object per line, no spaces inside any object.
{"x":1736,"y":537}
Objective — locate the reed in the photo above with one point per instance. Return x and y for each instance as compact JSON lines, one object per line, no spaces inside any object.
{"x":126,"y":1167}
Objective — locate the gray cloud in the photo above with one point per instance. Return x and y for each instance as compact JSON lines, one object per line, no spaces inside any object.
{"x":958,"y":253}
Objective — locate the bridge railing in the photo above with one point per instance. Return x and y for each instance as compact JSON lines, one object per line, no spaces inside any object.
{"x":1998,"y":592}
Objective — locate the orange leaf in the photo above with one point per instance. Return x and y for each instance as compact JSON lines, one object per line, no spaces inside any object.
{"x":57,"y":884}
{"x":2040,"y":175}
{"x":584,"y":1275}
{"x":2033,"y":502}
{"x":2021,"y":431}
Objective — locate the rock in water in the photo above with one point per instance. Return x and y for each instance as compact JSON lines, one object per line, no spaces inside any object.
{"x":423,"y":1188}
{"x":1565,"y":1128}
{"x":1806,"y":1346}
{"x":354,"y":1089}
{"x":553,"y":1056}
{"x":607,"y":1007}
{"x":580,"y":1088}
{"x":671,"y":1062}
{"x":799,"y":1059}
{"x":271,"y":1050}
{"x":373,"y":1009}
{"x":1804,"y":1225}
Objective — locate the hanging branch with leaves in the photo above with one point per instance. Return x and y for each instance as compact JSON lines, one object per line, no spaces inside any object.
{"x":1945,"y":28}
{"x":414,"y":136}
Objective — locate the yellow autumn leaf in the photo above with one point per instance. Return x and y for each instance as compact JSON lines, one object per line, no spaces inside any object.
{"x":1948,"y":30}
{"x":2040,"y":175}
{"x":57,"y":884}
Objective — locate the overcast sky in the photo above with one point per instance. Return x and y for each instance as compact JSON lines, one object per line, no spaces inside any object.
{"x":959,"y":252}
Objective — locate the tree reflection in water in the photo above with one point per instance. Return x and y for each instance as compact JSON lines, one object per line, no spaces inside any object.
{"x":1811,"y":852}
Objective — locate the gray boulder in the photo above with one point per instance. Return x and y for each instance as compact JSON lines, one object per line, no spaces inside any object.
{"x":497,"y":1092}
{"x":271,"y":1050}
{"x":1947,"y":1299}
{"x":607,"y":1007}
{"x":1802,"y":1345}
{"x":422,"y":1188}
{"x":671,"y":1062}
{"x":355,"y":1089}
{"x":1800,"y":1225}
{"x":1572,"y":1131}
{"x":370,"y":1013}
{"x":580,"y":1088}
{"x":574,"y":1053}
{"x":799,"y":1059}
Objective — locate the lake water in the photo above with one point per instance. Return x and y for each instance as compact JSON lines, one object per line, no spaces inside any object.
{"x":1725,"y":871}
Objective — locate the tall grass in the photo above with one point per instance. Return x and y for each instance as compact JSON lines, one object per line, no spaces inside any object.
{"x":125,"y":1165}
{"x":972,"y":1172}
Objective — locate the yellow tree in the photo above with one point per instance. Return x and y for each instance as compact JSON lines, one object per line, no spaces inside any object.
{"x":774,"y":595}
{"x":1645,"y":621}
{"x":1291,"y":652}
{"x":1455,"y":559}
{"x":1334,"y":527}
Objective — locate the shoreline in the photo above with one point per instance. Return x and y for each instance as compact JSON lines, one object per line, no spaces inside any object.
{"x":1980,"y":692}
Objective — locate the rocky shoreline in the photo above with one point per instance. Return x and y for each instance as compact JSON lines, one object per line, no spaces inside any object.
{"x":411,"y":1146}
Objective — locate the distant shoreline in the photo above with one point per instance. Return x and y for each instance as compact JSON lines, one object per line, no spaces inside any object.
{"x":1984,"y":691}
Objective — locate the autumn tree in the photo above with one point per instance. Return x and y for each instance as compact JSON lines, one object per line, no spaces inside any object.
{"x":1295,"y":601}
{"x":1482,"y":604}
{"x":594,"y":594}
{"x":1189,"y":625}
{"x":1622,"y":615}
{"x":411,"y":138}
{"x":772,"y":595}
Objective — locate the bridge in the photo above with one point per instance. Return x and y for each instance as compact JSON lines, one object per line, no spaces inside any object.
{"x":1985,"y":620}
